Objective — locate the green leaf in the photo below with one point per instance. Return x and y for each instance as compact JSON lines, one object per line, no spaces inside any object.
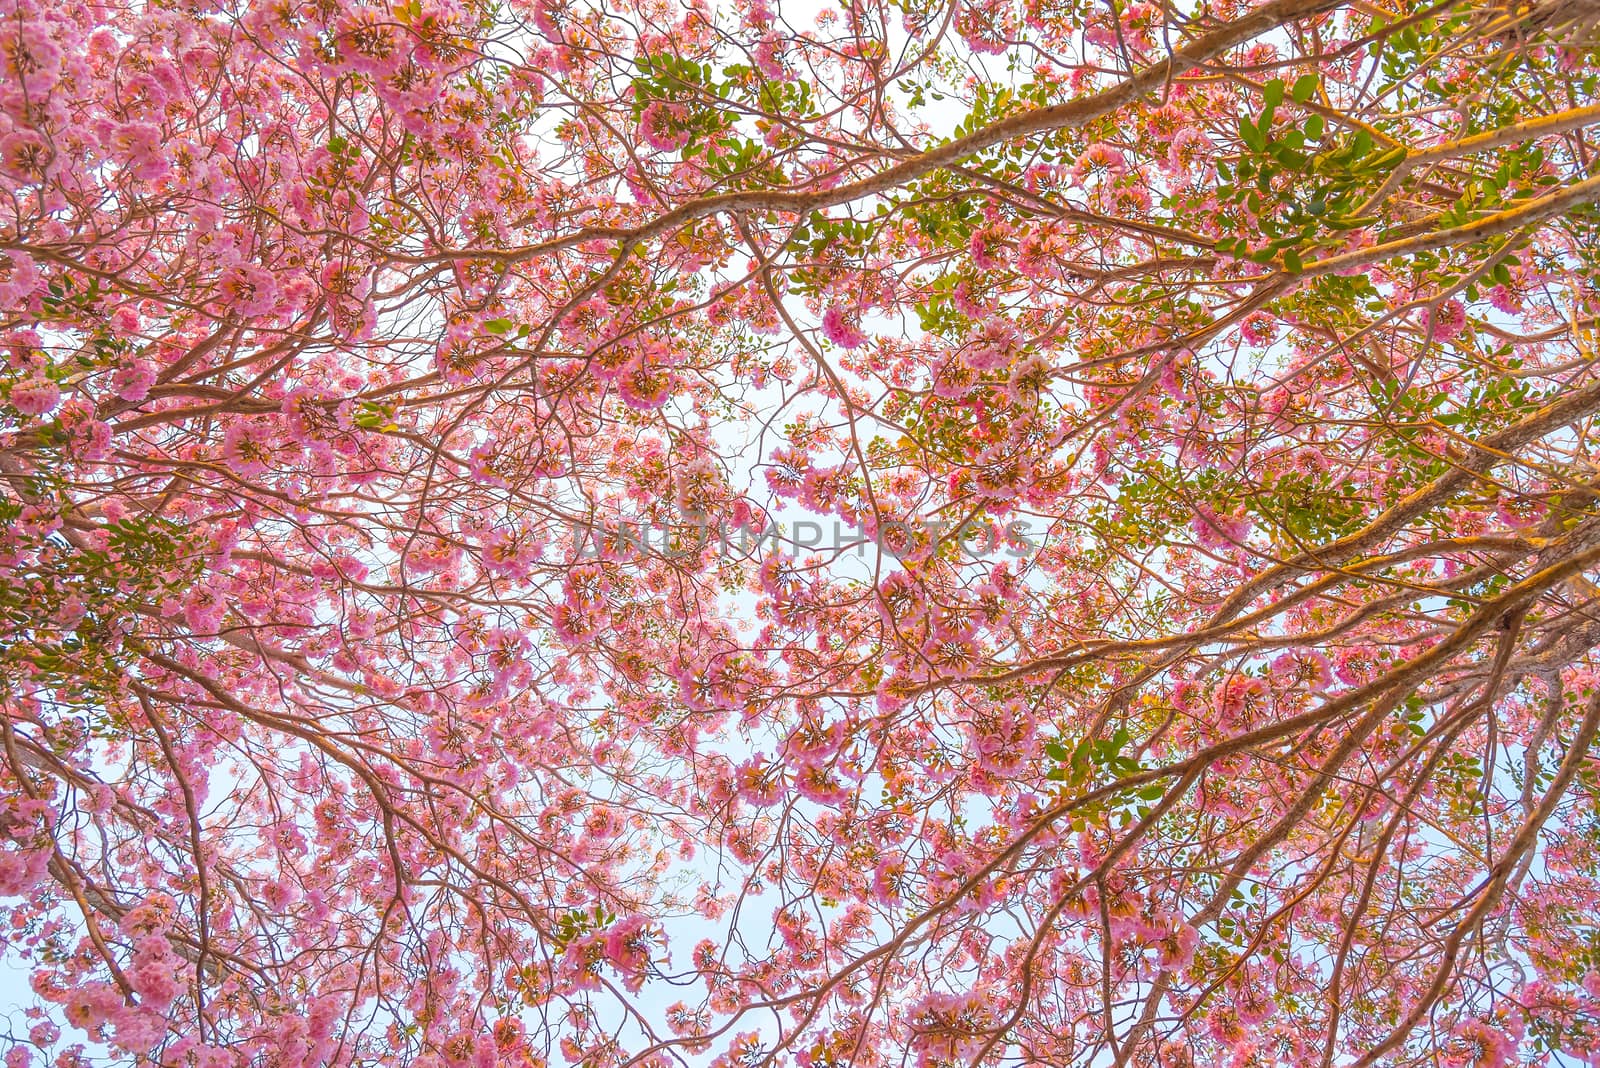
{"x":1273,"y":95}
{"x":1304,"y":88}
{"x":1382,"y":160}
{"x":499,"y":326}
{"x":1353,"y":222}
{"x":1252,"y":136}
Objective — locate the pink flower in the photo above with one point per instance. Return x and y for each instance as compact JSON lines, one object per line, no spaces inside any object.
{"x":644,"y":386}
{"x":1259,"y":328}
{"x":1477,"y":1044}
{"x":746,"y":1049}
{"x":24,"y":155}
{"x":368,"y":36}
{"x":35,"y":396}
{"x":91,"y":1004}
{"x":139,"y":146}
{"x":137,"y":1030}
{"x":768,"y":56}
{"x":656,"y":126}
{"x":18,"y":278}
{"x":1039,"y":252}
{"x":1189,"y":147}
{"x":631,"y":946}
{"x":1446,"y":321}
{"x":762,"y":782}
{"x":1131,"y":200}
{"x":1224,"y":1025}
{"x":1591,"y":983}
{"x":1505,"y":299}
{"x":951,"y":1028}
{"x":1239,"y":695}
{"x":506,"y":556}
{"x":812,"y":743}
{"x":996,"y":345}
{"x":988,"y":246}
{"x":280,"y":894}
{"x":153,"y":972}
{"x":463,"y":353}
{"x":1304,"y":666}
{"x":1100,"y":157}
{"x":132,"y":383}
{"x":247,"y":447}
{"x":350,"y":568}
{"x":30,"y":59}
{"x":1355,"y":666}
{"x":204,"y":610}
{"x":954,"y":380}
{"x":820,"y":785}
{"x":1177,"y":945}
{"x":20,"y":872}
{"x":1520,"y":512}
{"x":842,"y":328}
{"x":91,"y":438}
{"x":1215,"y":531}
{"x":581,"y":964}
{"x":788,"y":471}
{"x":247,"y":290}
{"x":343,"y":279}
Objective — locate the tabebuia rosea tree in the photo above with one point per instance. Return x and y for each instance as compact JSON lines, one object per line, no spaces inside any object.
{"x":921,"y":533}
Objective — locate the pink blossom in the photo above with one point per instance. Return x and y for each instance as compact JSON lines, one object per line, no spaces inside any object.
{"x":132,"y":382}
{"x":247,"y":290}
{"x":988,"y":246}
{"x":1446,"y":321}
{"x":661,"y":125}
{"x":996,"y":344}
{"x":1177,"y":945}
{"x":1478,"y":1044}
{"x":153,"y":972}
{"x":139,"y":146}
{"x":30,"y":59}
{"x":137,"y":1030}
{"x":19,"y":277}
{"x":1520,"y":511}
{"x":842,"y":327}
{"x":247,"y":446}
{"x":768,"y":56}
{"x":35,"y":396}
{"x":1039,"y":252}
{"x":25,"y":155}
{"x":955,"y":379}
{"x":1189,"y":147}
{"x":645,"y":386}
{"x":21,"y":871}
{"x":1100,"y":157}
{"x":91,"y":439}
{"x":1215,"y":531}
{"x":1259,"y":328}
{"x":631,"y":946}
{"x":1506,"y":299}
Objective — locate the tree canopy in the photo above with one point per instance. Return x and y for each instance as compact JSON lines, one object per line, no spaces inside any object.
{"x":1016,"y":532}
